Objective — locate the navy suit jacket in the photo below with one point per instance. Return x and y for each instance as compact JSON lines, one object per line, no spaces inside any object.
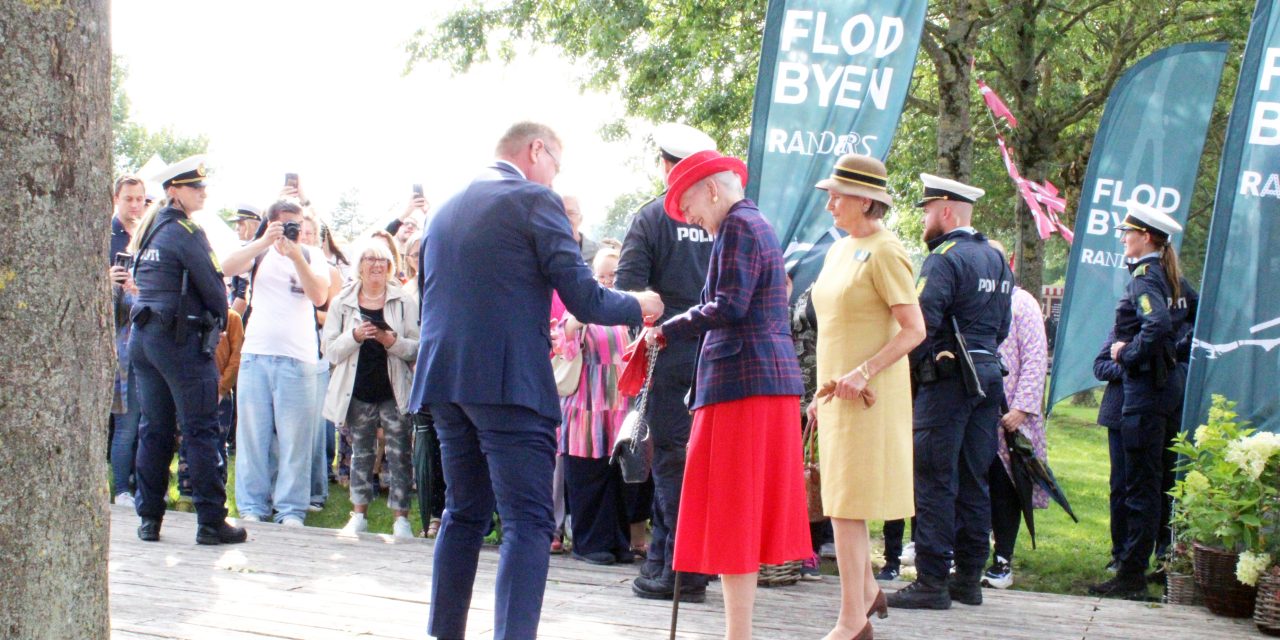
{"x":744,"y":317}
{"x":490,"y":260}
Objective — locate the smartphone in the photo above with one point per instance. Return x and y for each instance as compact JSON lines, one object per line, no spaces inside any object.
{"x":377,"y":323}
{"x":291,"y":180}
{"x":124,"y":260}
{"x":417,"y":191}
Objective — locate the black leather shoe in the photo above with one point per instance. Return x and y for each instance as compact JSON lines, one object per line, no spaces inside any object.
{"x":924,"y":593}
{"x":624,"y":556}
{"x":149,"y":530}
{"x":662,"y":590}
{"x":221,"y":533}
{"x":1128,"y":585}
{"x":595,"y":557}
{"x":965,"y":586}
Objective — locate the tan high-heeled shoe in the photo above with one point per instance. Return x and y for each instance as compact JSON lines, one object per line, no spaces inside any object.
{"x":880,"y":607}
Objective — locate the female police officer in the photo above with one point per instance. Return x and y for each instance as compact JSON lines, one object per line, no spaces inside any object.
{"x":1145,"y":334}
{"x":179,"y":313}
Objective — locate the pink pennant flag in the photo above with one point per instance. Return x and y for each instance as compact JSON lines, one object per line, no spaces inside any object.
{"x":996,"y":105}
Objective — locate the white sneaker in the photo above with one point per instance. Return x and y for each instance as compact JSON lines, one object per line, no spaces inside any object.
{"x":357,"y":524}
{"x":249,"y":517}
{"x":125,"y":500}
{"x":292,"y":521}
{"x":908,"y":557}
{"x":401,"y":528}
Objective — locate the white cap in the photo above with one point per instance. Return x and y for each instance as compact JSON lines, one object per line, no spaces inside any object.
{"x":1142,"y":217}
{"x":247,"y":211}
{"x":681,"y":140}
{"x":936,"y":188}
{"x":188,"y":172}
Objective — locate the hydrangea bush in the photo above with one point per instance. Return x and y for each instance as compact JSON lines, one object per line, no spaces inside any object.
{"x":1229,"y":487}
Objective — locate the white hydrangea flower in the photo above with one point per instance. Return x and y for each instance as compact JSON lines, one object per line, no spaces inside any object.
{"x":1195,"y":483}
{"x":1250,"y":566}
{"x":1252,"y":453}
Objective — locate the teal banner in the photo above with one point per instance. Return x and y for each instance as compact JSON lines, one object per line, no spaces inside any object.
{"x":1238,"y":325}
{"x":1147,"y":150}
{"x":833,"y":79}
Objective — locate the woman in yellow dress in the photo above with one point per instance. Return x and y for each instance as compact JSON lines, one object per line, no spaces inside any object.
{"x":868,"y":320}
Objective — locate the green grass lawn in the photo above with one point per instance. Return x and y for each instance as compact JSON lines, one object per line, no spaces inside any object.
{"x":1069,"y":556}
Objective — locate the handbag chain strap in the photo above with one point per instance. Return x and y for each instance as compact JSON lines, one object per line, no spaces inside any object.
{"x":641,"y":429}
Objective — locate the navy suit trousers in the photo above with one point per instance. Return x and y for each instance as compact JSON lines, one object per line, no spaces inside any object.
{"x":955,"y":441}
{"x":503,"y":457}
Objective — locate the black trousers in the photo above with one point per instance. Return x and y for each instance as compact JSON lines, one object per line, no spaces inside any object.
{"x":669,"y":423}
{"x":1137,"y":454}
{"x":893,"y":531}
{"x":1006,"y":513}
{"x":428,"y":472}
{"x":597,"y":504}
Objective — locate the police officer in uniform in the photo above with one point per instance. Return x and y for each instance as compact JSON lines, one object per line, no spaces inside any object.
{"x":177,"y":319}
{"x":671,"y":259}
{"x":1145,"y":347}
{"x":965,"y":288}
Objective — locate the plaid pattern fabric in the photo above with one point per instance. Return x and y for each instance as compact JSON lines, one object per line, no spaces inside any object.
{"x":747,"y":349}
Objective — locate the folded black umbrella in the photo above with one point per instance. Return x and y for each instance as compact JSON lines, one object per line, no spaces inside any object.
{"x":1023,"y":483}
{"x":1037,"y":470}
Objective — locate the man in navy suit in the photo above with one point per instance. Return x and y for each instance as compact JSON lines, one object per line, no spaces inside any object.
{"x":491,"y":259}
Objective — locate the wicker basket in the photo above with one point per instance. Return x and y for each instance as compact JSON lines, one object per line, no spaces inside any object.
{"x":779,"y":575}
{"x":1266,"y":613}
{"x":1180,"y":588}
{"x":1216,"y":577}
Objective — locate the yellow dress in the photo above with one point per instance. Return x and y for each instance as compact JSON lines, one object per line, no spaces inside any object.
{"x":865,"y":454}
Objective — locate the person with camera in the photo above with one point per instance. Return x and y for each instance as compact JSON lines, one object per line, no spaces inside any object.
{"x":129,"y":198}
{"x":371,"y":336}
{"x":177,"y":321}
{"x":277,"y":383}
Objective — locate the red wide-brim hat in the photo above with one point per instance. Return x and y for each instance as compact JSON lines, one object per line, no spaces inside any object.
{"x":692,"y":169}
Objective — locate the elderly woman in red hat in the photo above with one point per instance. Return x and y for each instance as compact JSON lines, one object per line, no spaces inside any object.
{"x":743,"y":473}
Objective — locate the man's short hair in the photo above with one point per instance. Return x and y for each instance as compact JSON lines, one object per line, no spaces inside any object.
{"x":282,"y":206}
{"x":126,"y":179}
{"x":522,"y":134}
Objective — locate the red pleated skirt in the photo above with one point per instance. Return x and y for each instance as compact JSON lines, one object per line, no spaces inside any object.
{"x":743,"y":501}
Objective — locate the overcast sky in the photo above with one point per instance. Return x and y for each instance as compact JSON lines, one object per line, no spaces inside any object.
{"x":316,"y":88}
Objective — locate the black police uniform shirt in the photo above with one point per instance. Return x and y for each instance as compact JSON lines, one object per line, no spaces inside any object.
{"x":1145,"y":323}
{"x":967,"y":278}
{"x":180,"y":244}
{"x":668,"y":257}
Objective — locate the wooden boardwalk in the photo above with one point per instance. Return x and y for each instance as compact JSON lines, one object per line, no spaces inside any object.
{"x":315,"y":584}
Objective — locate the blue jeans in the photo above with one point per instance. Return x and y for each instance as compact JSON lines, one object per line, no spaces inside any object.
{"x":124,"y":442}
{"x":277,"y":408}
{"x":319,"y":467}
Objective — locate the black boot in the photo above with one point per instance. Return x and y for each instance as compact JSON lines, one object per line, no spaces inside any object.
{"x":1127,"y":584}
{"x":149,"y":530}
{"x":693,"y":588}
{"x":966,"y":586}
{"x":220,"y":533}
{"x":926,"y":592}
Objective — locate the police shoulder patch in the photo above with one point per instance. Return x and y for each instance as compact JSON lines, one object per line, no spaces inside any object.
{"x":1140,"y":271}
{"x":1144,"y":303}
{"x":213,"y":257}
{"x":945,"y":247}
{"x":189,"y":226}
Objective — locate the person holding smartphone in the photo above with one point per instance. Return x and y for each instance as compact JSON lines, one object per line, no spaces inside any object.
{"x":371,"y":335}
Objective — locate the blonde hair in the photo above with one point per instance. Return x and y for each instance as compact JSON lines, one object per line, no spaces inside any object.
{"x":379,"y":250}
{"x":144,"y":225}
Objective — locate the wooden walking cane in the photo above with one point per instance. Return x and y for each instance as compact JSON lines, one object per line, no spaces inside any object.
{"x":675,"y":605}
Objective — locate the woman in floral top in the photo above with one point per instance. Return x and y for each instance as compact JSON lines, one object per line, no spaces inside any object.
{"x":593,"y":414}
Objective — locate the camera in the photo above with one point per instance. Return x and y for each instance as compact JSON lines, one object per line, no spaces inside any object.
{"x":291,"y":230}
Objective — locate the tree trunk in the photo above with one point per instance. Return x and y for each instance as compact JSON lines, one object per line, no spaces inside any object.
{"x":951,"y":61}
{"x":55,"y":141}
{"x":1033,"y":154}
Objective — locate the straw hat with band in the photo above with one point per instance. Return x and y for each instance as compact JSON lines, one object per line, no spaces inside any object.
{"x":693,"y":169}
{"x":859,"y":175}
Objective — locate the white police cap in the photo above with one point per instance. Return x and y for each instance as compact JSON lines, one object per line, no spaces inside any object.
{"x":188,"y":172}
{"x":936,"y":188}
{"x":1142,"y":217}
{"x":246,"y":211}
{"x":679,"y":141}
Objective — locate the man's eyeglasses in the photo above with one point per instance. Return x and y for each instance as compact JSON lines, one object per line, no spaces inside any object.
{"x":553,"y":156}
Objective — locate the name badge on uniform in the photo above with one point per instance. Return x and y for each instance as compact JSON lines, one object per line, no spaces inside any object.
{"x":861,"y":255}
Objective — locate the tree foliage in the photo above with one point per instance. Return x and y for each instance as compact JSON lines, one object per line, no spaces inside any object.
{"x":1054,"y":62}
{"x":345,"y":219}
{"x":134,"y":144}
